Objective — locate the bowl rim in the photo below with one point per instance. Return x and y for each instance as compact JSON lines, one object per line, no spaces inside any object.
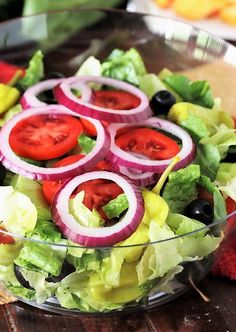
{"x":206,"y":228}
{"x":134,"y":14}
{"x":118,"y":11}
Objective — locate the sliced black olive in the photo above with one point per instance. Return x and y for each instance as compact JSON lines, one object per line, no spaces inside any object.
{"x":67,"y":268}
{"x":162,"y":101}
{"x":20,"y":277}
{"x":201,"y":210}
{"x":2,"y":174}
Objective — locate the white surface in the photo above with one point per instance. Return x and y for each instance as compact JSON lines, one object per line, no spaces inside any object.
{"x":214,"y":25}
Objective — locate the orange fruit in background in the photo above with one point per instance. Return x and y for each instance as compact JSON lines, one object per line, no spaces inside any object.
{"x":228,"y":14}
{"x":197,"y":9}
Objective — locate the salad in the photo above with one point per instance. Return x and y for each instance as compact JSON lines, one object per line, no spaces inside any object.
{"x":99,"y":171}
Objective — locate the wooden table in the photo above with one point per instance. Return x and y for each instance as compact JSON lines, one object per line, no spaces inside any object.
{"x":189,"y":313}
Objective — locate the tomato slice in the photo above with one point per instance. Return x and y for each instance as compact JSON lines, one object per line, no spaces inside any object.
{"x":148,"y":142}
{"x":6,"y":239}
{"x":50,"y":188}
{"x":115,"y":99}
{"x":43,"y":137}
{"x":98,"y":193}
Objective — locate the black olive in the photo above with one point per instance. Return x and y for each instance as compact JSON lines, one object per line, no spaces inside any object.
{"x":201,"y":210}
{"x":67,"y":268}
{"x":162,"y":101}
{"x":231,"y":155}
{"x":2,"y":174}
{"x":20,"y":277}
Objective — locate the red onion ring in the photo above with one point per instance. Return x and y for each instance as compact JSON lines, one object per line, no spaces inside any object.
{"x":29,"y":99}
{"x":15,"y":164}
{"x":117,"y":156}
{"x":103,"y":236}
{"x":64,"y":96}
{"x":141,"y":179}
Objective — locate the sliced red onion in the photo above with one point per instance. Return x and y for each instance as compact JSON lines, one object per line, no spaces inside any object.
{"x":101,"y":236}
{"x":64,"y":96}
{"x":141,"y":179}
{"x":15,"y":164}
{"x":117,"y":156}
{"x":30,"y":98}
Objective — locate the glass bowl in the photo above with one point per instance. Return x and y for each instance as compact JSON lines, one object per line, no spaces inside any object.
{"x":141,"y":275}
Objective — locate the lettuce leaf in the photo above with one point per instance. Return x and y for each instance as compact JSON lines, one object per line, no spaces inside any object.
{"x":43,"y":289}
{"x":208,"y":158}
{"x":116,"y":206}
{"x":181,"y":224}
{"x":40,"y":257}
{"x":222,"y":139}
{"x":34,"y":72}
{"x":82,"y":214}
{"x":33,"y":190}
{"x":17,"y":213}
{"x":124,"y":66}
{"x":86,"y":143}
{"x":226,"y":179}
{"x":181,"y":188}
{"x":197,"y":92}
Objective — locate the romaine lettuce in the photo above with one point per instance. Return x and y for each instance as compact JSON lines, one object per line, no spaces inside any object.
{"x":34,"y":73}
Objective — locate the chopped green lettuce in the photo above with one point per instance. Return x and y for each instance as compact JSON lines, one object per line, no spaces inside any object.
{"x":151,"y":83}
{"x":197,"y":92}
{"x":208,"y":158}
{"x":181,"y":224}
{"x":116,"y":206}
{"x":159,"y":258}
{"x":82,"y":214}
{"x":91,"y":66}
{"x":33,"y":190}
{"x":226,"y":179}
{"x":124,"y":66}
{"x":222,"y":139}
{"x":34,"y":73}
{"x":86,"y":143}
{"x":43,"y":289}
{"x":41,"y":257}
{"x":18,"y":214}
{"x":181,"y":188}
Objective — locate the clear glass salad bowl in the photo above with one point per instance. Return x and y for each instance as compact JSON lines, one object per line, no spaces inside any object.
{"x":148,"y":271}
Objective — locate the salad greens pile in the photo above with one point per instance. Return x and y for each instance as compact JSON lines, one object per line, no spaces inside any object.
{"x":104,"y":279}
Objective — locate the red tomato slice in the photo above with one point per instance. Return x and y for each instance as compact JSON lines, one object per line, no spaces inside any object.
{"x":50,"y":188}
{"x":98,"y":193}
{"x":6,"y":239}
{"x":115,"y":99}
{"x":43,"y":137}
{"x":148,"y":142}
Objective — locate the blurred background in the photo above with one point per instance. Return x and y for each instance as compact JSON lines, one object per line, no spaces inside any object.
{"x":14,"y":8}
